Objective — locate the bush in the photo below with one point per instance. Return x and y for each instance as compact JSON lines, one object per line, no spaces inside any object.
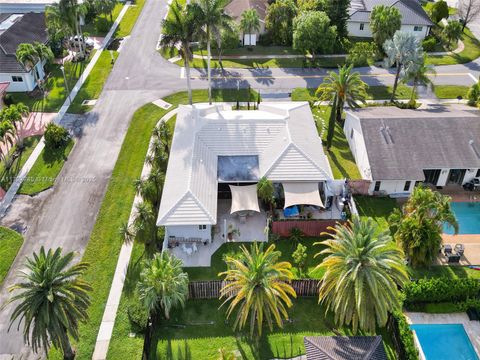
{"x":8,"y":100}
{"x":137,"y":315}
{"x":299,"y":257}
{"x":473,"y":94}
{"x":55,"y":136}
{"x":362,"y":54}
{"x":102,"y":25}
{"x":440,"y":290}
{"x":406,"y":336}
{"x":429,"y":43}
{"x":439,"y":11}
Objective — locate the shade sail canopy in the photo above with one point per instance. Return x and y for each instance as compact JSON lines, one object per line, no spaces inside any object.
{"x":244,"y":198}
{"x":297,"y":193}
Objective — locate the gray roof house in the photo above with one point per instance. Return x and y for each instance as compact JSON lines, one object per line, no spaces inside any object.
{"x":395,"y":148}
{"x":16,"y":29}
{"x":344,"y":348}
{"x":414,"y":17}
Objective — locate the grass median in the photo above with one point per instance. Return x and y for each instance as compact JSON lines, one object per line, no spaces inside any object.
{"x":10,"y":243}
{"x":469,"y":53}
{"x":46,"y":169}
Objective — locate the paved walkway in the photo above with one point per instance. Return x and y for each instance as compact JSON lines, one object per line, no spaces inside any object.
{"x":115,"y":295}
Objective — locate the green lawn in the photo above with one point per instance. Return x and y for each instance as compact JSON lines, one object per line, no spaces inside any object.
{"x":7,"y":176}
{"x":255,"y":50}
{"x":101,"y":25}
{"x":340,"y":157}
{"x":10,"y":243}
{"x":380,"y":92}
{"x":470,"y":53}
{"x":284,"y":245}
{"x":129,"y":19}
{"x":55,"y":87}
{"x":200,"y":330}
{"x":105,"y":243}
{"x":93,"y":85}
{"x":46,"y":169}
{"x":378,"y":208}
{"x":450,"y":91}
{"x":453,"y":272}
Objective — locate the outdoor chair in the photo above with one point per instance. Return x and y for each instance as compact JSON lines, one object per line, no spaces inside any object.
{"x":473,"y":314}
{"x":459,"y":249}
{"x":447,"y":249}
{"x":453,"y":259}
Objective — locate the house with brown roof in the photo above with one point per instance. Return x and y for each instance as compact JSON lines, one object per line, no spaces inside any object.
{"x":16,"y":29}
{"x":236,"y":8}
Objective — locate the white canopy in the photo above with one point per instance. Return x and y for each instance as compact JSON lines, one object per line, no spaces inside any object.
{"x":301,"y":193}
{"x":244,"y":198}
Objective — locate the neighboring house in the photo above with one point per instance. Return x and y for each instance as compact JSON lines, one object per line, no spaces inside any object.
{"x":397,"y":148}
{"x":16,"y":29}
{"x":344,"y":348}
{"x":236,"y":8}
{"x":24,"y":6}
{"x":216,"y":152}
{"x":414,"y":17}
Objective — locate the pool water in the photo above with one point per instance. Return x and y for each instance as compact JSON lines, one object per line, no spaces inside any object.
{"x":468,"y":218}
{"x":444,"y":342}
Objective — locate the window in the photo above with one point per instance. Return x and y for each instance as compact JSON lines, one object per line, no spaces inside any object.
{"x":478,"y":173}
{"x":407,"y":186}
{"x":417,"y":28}
{"x":202,"y":227}
{"x":17,"y":79}
{"x":362,"y":26}
{"x":377,"y":186}
{"x":351,"y":134}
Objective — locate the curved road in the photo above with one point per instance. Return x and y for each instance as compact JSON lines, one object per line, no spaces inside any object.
{"x":66,"y":217}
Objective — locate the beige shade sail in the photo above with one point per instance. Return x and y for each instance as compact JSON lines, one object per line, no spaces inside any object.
{"x":301,"y":193}
{"x":244,"y":198}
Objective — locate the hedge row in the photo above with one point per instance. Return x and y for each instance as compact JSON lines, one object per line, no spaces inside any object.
{"x":440,"y":290}
{"x":406,"y":336}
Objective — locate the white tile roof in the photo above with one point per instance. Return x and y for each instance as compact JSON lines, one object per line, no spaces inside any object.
{"x":282,"y":135}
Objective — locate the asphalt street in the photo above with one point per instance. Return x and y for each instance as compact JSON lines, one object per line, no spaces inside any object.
{"x":66,"y":217}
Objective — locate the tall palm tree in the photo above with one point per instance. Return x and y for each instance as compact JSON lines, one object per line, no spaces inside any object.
{"x":418,"y":73}
{"x":211,"y":18}
{"x":364,"y":268}
{"x":52,"y":302}
{"x":179,"y":30}
{"x":150,"y":188}
{"x":7,"y":134}
{"x":16,"y":114}
{"x":257,"y":287}
{"x":249,"y":23}
{"x":344,"y":87}
{"x":403,"y":50}
{"x":163,"y":285}
{"x":29,"y":55}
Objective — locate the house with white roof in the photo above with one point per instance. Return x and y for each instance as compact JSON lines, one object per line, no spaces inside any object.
{"x":216,"y":159}
{"x":414,"y":17}
{"x":397,"y":148}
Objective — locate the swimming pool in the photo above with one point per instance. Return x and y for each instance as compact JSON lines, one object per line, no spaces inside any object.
{"x":468,"y":218}
{"x":444,"y":342}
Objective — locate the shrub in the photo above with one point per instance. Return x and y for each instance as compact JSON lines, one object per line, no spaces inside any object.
{"x":362,"y":54}
{"x":102,"y":25}
{"x":296,"y":234}
{"x":55,"y":136}
{"x":406,"y":336}
{"x":440,"y":290}
{"x":473,"y":94}
{"x":299,"y":257}
{"x":137,"y":315}
{"x":8,"y":100}
{"x":439,"y":11}
{"x":429,"y":43}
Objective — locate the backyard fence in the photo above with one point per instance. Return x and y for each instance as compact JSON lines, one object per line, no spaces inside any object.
{"x":211,"y":289}
{"x":308,"y":227}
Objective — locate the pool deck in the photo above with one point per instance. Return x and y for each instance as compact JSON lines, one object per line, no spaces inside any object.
{"x":472,"y":248}
{"x":472,"y":328}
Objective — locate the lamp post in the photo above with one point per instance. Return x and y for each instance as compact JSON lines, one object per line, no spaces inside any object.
{"x":66,"y":84}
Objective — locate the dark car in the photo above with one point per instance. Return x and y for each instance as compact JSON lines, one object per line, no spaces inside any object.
{"x":473,"y":184}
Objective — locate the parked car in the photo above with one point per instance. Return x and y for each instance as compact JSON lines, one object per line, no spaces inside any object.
{"x":473,"y":184}
{"x":75,"y":41}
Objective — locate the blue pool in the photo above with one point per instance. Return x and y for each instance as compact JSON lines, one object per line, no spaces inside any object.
{"x":444,"y":342}
{"x":468,"y":218}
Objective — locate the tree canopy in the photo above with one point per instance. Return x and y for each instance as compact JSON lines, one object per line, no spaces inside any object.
{"x":310,"y":26}
{"x":279,"y":21}
{"x":439,"y":11}
{"x":384,"y":22}
{"x":337,"y":11}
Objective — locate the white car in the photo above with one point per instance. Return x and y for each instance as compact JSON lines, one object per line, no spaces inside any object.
{"x":75,"y":42}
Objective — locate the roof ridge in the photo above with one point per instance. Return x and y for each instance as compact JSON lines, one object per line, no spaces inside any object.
{"x":168,"y":212}
{"x":200,"y":204}
{"x":373,"y":347}
{"x":310,"y":159}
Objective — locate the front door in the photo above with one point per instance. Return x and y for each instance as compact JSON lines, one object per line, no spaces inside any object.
{"x":456,"y":176}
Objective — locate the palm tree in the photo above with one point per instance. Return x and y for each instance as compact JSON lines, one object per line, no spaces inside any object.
{"x":163,"y":285}
{"x":403,"y":50}
{"x":249,"y":22}
{"x":418,"y":73}
{"x":257,"y":286}
{"x":7,"y":134}
{"x":179,"y":29}
{"x":418,"y":227}
{"x":364,"y":268}
{"x":144,"y":228}
{"x":266,"y":191}
{"x":150,"y":188}
{"x":15,"y":114}
{"x":52,"y":302}
{"x":342,"y":87}
{"x":29,"y":55}
{"x":211,"y":18}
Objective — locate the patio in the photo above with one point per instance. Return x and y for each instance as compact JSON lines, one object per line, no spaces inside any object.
{"x":252,"y":229}
{"x":471,"y":243}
